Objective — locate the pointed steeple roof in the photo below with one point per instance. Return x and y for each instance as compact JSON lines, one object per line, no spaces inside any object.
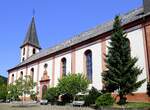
{"x":31,"y":36}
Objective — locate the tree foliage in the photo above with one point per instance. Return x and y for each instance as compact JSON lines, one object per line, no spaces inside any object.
{"x":33,"y":96}
{"x":92,"y":96}
{"x":21,"y":87}
{"x":72,"y":84}
{"x":122,"y":72}
{"x":105,"y":100}
{"x":3,"y":89}
{"x":13,"y":93}
{"x":52,"y":94}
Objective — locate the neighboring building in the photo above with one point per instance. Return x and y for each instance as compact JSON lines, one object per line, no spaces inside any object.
{"x":84,"y":54}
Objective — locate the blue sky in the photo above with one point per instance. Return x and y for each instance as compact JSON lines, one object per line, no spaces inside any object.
{"x":56,"y":21}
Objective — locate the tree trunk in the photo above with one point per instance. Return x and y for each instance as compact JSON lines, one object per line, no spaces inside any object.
{"x":22,"y":99}
{"x":122,"y":99}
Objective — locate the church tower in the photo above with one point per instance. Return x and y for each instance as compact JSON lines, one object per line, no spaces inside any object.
{"x":31,"y":44}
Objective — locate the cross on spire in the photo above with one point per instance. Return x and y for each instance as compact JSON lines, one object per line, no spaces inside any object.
{"x":33,"y":12}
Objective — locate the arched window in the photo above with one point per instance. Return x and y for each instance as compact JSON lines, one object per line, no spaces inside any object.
{"x":23,"y":59}
{"x":23,"y":51}
{"x":32,"y":73}
{"x":12,"y":78}
{"x":45,"y":65}
{"x":21,"y":74}
{"x":88,"y":62}
{"x":63,"y":66}
{"x":33,"y":51}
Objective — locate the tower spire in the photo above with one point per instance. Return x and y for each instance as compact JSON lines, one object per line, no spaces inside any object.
{"x":31,"y":36}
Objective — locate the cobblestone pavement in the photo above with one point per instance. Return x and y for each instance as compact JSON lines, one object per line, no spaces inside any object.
{"x":41,"y":107}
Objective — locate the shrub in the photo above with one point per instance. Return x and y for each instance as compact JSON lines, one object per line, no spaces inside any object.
{"x":148,"y":89}
{"x":67,"y":98}
{"x":92,"y":96}
{"x":104,"y":100}
{"x":72,"y":84}
{"x":51,"y":95}
{"x":33,"y":96}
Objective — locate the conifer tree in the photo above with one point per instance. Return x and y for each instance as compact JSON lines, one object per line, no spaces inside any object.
{"x":122,"y":72}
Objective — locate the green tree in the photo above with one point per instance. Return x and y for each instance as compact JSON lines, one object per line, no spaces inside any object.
{"x":72,"y":84}
{"x":52,"y":94}
{"x":2,"y":80}
{"x":3,"y":89}
{"x":121,"y":73}
{"x":21,"y":87}
{"x":13,"y":93}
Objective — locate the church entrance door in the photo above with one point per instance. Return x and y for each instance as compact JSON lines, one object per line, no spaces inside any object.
{"x":44,"y":89}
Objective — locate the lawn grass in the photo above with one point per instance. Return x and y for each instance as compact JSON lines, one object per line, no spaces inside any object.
{"x":138,"y":105}
{"x":134,"y":105}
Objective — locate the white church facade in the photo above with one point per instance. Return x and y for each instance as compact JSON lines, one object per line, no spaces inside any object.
{"x":84,"y":54}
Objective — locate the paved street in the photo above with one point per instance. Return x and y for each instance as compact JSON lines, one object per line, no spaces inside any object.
{"x":41,"y":107}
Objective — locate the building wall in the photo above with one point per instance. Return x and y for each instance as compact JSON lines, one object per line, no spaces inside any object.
{"x":58,"y":66}
{"x":31,"y":50}
{"x":28,"y":52}
{"x":10,"y":76}
{"x":35,"y":76}
{"x":23,"y":55}
{"x":54,"y":63}
{"x":96,"y":63}
{"x":48,"y":69}
{"x":23,"y":69}
{"x":137,"y":50}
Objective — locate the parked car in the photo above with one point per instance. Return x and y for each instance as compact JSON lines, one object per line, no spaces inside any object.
{"x":79,"y":99}
{"x":43,"y":102}
{"x":2,"y":100}
{"x":64,"y":99}
{"x":8,"y":101}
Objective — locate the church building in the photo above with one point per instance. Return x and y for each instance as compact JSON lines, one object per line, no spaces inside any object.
{"x":84,"y":54}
